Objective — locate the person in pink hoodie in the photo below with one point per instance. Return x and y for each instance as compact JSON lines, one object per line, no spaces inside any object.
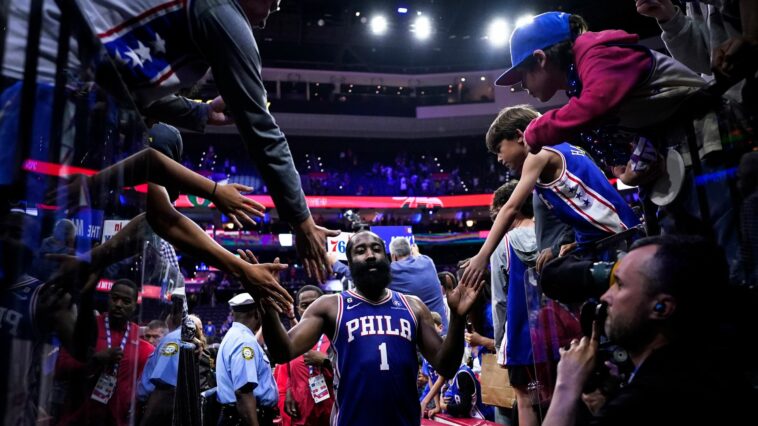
{"x":629,"y":106}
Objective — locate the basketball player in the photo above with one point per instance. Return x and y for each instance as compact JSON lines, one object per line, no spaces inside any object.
{"x":374,"y":332}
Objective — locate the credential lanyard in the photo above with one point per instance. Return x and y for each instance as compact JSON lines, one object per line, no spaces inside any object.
{"x":109,"y":342}
{"x":318,"y":349}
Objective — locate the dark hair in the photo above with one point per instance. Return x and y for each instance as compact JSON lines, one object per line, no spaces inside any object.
{"x":349,"y":247}
{"x":562,"y":53}
{"x":309,"y":287}
{"x":690,"y":269}
{"x":503,"y":194}
{"x":167,"y":140}
{"x":508,"y":121}
{"x":127,"y":283}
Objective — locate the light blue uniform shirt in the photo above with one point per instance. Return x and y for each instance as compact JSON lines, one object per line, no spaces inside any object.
{"x":240,"y":361}
{"x":162,"y":366}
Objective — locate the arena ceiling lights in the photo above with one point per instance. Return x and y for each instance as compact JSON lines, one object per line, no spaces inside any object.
{"x":378,"y":25}
{"x":422,"y":26}
{"x":498,"y":32}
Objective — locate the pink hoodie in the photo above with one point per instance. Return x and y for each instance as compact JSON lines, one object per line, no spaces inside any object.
{"x":607,"y":73}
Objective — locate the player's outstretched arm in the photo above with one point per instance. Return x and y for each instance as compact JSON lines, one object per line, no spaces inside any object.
{"x":445,"y":356}
{"x":318,"y":319}
{"x":476,"y":266}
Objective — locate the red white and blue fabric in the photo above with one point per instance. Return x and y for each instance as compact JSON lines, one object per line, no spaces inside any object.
{"x":149,"y":41}
{"x":583,"y":198}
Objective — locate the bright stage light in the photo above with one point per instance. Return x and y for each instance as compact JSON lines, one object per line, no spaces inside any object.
{"x":378,"y":25}
{"x":422,"y":27}
{"x":497,"y":32}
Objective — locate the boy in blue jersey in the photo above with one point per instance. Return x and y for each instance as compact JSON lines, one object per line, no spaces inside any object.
{"x":566,"y":180}
{"x":374,"y":333}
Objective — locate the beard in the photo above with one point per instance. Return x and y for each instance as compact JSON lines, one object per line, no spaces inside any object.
{"x":631,"y":333}
{"x":371,"y":281}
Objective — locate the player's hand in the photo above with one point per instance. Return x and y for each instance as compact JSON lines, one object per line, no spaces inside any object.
{"x":474,"y":269}
{"x":314,"y":358}
{"x":543,"y":258}
{"x":230,"y":201}
{"x":661,"y":10}
{"x":310,"y":240}
{"x":462,"y":298}
{"x":216,"y":113}
{"x":290,"y":406}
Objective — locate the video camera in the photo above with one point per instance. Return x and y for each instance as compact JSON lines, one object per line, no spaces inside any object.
{"x":601,"y":378}
{"x":571,"y":279}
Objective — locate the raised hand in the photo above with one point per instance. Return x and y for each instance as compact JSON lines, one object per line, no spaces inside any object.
{"x":230,"y":201}
{"x":261,"y":279}
{"x":462,"y":298}
{"x":661,"y":10}
{"x":248,"y":256}
{"x":474,"y":269}
{"x":310,"y":240}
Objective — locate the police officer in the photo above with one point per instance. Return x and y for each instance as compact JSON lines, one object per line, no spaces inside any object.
{"x":246,"y":387}
{"x":157,"y":384}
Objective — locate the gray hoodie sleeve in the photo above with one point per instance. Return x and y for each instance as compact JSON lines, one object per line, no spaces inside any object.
{"x":223,"y":35}
{"x":687,"y":38}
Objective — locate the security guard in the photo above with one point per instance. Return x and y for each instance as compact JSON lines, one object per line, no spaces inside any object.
{"x":246,"y":386}
{"x":158,"y":382}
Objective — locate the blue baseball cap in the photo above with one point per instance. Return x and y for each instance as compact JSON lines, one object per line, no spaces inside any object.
{"x":542,"y":31}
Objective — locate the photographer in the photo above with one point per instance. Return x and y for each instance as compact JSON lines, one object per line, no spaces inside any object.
{"x":656,"y":304}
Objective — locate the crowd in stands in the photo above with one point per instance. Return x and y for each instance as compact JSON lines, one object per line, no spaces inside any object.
{"x":600,"y":313}
{"x":430,"y":168}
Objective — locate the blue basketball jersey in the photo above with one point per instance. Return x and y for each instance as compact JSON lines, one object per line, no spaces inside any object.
{"x":376,"y":363}
{"x":583,"y":198}
{"x":518,"y":342}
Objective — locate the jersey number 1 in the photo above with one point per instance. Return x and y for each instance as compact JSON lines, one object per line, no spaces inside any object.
{"x":383,"y":352}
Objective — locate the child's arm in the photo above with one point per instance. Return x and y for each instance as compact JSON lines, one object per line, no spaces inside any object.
{"x":533,"y":166}
{"x":434,"y":394}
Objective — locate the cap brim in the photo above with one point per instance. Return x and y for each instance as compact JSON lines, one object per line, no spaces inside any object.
{"x":509,"y":78}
